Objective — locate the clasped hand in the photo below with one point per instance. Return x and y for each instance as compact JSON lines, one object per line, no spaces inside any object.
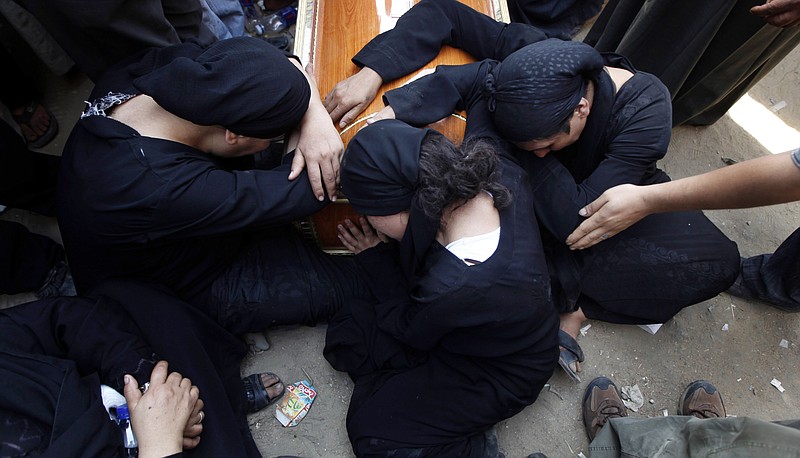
{"x":168,"y":416}
{"x":357,"y":239}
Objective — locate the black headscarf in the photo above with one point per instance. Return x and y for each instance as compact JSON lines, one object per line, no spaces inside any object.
{"x":380,"y":167}
{"x":243,"y":84}
{"x":379,"y":174}
{"x":534,"y":90}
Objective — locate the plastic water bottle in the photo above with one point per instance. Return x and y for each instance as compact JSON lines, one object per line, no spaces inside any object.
{"x":128,"y":439}
{"x":279,"y":21}
{"x":254,"y":26}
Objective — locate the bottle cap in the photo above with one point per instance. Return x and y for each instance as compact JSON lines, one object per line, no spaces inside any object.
{"x":122,"y":412}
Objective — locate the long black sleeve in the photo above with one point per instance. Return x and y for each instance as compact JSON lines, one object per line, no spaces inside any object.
{"x":93,"y":333}
{"x":450,"y":88}
{"x":421,"y":33}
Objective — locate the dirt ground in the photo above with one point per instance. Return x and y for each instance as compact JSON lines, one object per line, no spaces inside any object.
{"x":734,"y":343}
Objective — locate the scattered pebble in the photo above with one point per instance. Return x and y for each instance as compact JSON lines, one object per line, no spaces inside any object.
{"x":651,"y":328}
{"x":778,"y":106}
{"x":725,"y":327}
{"x":652,"y":401}
{"x":784,"y":343}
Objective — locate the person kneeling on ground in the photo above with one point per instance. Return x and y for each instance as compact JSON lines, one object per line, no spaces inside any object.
{"x":582,"y":122}
{"x":463,"y":319}
{"x":157,"y":184}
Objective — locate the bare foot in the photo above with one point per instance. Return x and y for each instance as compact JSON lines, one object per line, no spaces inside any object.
{"x":273,"y":384}
{"x":258,"y":397}
{"x":36,"y":125}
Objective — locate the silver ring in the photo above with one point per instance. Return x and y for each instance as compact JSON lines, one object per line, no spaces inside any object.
{"x":604,"y":236}
{"x":202,"y":416}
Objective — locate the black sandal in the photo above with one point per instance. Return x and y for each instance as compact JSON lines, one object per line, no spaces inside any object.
{"x":256,"y":393}
{"x":571,"y":354}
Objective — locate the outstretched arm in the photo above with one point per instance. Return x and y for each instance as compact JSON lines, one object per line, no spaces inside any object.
{"x":763,"y":181}
{"x":417,"y":38}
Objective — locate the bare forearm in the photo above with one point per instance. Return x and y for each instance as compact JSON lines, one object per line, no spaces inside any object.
{"x":319,"y":147}
{"x":763,"y":181}
{"x":758,"y":182}
{"x":315,"y":102}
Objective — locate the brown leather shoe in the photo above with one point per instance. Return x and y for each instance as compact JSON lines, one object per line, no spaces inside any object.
{"x":601,"y":402}
{"x":702,"y":400}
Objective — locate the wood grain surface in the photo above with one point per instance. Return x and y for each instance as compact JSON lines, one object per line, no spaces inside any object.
{"x":329,"y":33}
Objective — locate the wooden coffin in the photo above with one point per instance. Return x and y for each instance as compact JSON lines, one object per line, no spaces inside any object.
{"x":329,"y":33}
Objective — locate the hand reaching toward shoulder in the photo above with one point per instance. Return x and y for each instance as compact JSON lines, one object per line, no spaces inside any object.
{"x":614,"y":211}
{"x":357,"y":239}
{"x":351,"y":96}
{"x":319,"y":149}
{"x":168,"y":417}
{"x":780,"y":13}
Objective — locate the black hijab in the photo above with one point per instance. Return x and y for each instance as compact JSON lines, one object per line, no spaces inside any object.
{"x":243,"y":84}
{"x":534,"y":90}
{"x":379,"y":175}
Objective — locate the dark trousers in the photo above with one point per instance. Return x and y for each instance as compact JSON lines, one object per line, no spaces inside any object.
{"x":199,"y":349}
{"x":25,"y":258}
{"x":775,"y":278}
{"x":649,"y":272}
{"x":708,"y":53}
{"x":281,"y":279}
{"x":390,"y":380}
{"x":27,"y":178}
{"x":18,"y":88}
{"x":98,"y":34}
{"x":55,"y":352}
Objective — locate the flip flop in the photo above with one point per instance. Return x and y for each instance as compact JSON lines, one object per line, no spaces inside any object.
{"x":25,"y":118}
{"x":257,"y":396}
{"x":570,"y":355}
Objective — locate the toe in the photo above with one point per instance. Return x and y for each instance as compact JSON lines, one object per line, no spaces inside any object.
{"x":272,"y":384}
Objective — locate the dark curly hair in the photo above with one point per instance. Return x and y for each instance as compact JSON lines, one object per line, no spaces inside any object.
{"x":452,"y":175}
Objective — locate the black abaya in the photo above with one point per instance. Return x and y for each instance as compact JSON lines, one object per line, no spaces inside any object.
{"x":56,"y":352}
{"x":666,"y":261}
{"x":708,"y":54}
{"x":443,"y":356}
